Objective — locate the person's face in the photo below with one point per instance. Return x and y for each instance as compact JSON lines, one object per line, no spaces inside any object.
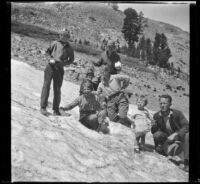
{"x":90,"y":76}
{"x":65,"y":38}
{"x":111,"y":50}
{"x":140,"y":103}
{"x":87,"y":92}
{"x":164,"y":104}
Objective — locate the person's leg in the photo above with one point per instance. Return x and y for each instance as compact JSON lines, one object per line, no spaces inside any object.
{"x":143,"y":139}
{"x":123,"y":106}
{"x":186,"y":152}
{"x":112,"y":110}
{"x":103,"y":125}
{"x":137,"y":144}
{"x":57,"y":83}
{"x":48,"y":75}
{"x":91,"y":121}
{"x":159,"y":139}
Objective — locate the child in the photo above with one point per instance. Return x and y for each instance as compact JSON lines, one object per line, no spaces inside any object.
{"x":91,"y":77}
{"x":142,"y":121}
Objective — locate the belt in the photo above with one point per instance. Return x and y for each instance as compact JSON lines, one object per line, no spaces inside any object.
{"x":114,"y":95}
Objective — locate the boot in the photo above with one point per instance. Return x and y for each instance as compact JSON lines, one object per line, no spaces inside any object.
{"x":44,"y":112}
{"x":56,"y":113}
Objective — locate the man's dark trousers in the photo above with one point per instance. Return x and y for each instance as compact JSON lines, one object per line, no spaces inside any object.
{"x":55,"y":72}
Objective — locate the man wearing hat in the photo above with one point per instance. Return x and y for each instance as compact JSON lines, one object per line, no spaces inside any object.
{"x":61,"y":54}
{"x":109,"y":58}
{"x":171,"y":131}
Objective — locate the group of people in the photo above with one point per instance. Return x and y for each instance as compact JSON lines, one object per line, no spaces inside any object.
{"x":106,"y":97}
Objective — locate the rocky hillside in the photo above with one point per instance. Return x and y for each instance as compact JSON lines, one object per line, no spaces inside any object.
{"x":95,"y":21}
{"x":58,"y":149}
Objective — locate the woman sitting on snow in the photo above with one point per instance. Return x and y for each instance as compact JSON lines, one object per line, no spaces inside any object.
{"x":92,"y":109}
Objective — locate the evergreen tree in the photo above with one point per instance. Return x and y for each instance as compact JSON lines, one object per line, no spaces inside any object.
{"x":132,"y":50}
{"x":142,"y":43}
{"x":137,"y":53}
{"x":143,"y":54}
{"x":156,"y":48}
{"x":165,"y":53}
{"x":161,"y":51}
{"x":149,"y":54}
{"x":132,"y":26}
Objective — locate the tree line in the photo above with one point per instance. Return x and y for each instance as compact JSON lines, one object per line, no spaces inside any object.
{"x":156,"y":53}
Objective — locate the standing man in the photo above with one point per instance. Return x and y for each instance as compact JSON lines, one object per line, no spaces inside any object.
{"x":112,"y":88}
{"x":171,"y":131}
{"x":109,"y":58}
{"x":61,"y":54}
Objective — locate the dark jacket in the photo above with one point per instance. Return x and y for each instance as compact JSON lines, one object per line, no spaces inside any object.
{"x":110,"y":61}
{"x":177,"y":121}
{"x":61,"y":52}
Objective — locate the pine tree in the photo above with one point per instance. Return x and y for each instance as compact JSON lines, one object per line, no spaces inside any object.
{"x":132,"y":26}
{"x":137,"y":53}
{"x":143,"y":54}
{"x":161,"y":51}
{"x":149,"y":53}
{"x":165,"y":53}
{"x":156,"y":48}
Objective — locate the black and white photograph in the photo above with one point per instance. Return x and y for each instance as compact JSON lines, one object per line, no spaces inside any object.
{"x":100,"y":91}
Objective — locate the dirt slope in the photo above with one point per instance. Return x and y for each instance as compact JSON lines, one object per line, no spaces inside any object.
{"x":95,"y":21}
{"x":61,"y":149}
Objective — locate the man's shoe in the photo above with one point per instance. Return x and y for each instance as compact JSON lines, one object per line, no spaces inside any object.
{"x":44,"y":112}
{"x":56,"y":113}
{"x":137,"y":150}
{"x":159,"y":149}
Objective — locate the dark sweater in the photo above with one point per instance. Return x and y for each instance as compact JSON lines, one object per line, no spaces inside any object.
{"x":177,"y":121}
{"x":61,"y":52}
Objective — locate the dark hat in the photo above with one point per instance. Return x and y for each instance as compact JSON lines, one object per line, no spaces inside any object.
{"x":64,"y":34}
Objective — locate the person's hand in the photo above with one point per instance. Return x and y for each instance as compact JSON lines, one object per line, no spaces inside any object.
{"x":153,"y":122}
{"x":62,"y":108}
{"x":172,"y":137}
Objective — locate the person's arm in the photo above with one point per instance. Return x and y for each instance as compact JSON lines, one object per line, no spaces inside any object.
{"x":71,"y":56}
{"x":98,"y":62}
{"x":154,"y":125}
{"x":50,"y":48}
{"x":124,"y":79}
{"x":184,"y":124}
{"x":99,"y":89}
{"x":72,"y":104}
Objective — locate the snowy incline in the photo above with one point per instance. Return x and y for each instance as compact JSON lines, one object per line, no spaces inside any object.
{"x":61,"y":149}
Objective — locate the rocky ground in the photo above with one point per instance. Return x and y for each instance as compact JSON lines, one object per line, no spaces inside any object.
{"x":30,"y":49}
{"x":61,"y":149}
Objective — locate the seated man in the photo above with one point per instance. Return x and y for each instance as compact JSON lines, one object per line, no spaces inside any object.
{"x":91,"y":108}
{"x":171,"y":131}
{"x":113,"y":87}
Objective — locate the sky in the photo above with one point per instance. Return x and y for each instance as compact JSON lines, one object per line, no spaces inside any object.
{"x":175,"y":14}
